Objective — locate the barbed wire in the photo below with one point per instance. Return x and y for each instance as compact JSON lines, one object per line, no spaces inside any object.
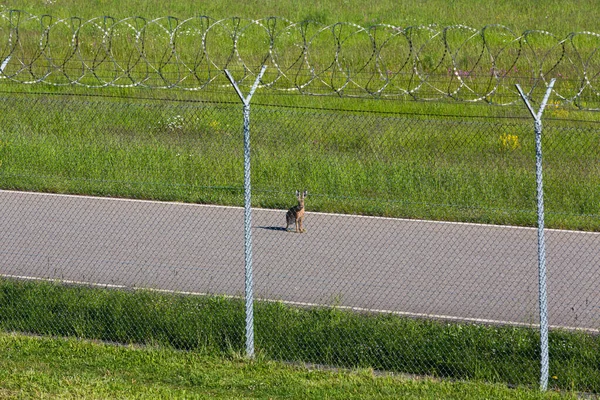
{"x":418,"y":62}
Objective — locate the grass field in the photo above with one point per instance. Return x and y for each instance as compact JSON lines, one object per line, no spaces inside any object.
{"x":398,"y":165}
{"x":551,"y":15}
{"x":214,"y":326}
{"x":33,"y":367}
{"x":419,"y":163}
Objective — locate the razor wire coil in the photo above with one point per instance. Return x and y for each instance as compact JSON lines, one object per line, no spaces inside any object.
{"x":418,"y":62}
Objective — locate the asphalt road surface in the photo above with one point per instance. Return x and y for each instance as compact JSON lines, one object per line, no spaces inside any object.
{"x":442,"y":270}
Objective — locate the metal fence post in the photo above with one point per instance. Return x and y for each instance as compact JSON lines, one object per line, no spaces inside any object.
{"x":248,"y":283}
{"x":543,"y":296}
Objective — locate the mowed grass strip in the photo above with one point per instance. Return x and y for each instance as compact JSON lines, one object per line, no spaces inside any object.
{"x":36,"y":367}
{"x":214,"y":326}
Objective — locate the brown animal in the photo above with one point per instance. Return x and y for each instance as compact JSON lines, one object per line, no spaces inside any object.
{"x":295,"y":215}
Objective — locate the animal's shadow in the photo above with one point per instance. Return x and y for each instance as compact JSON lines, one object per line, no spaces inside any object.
{"x":273,"y":228}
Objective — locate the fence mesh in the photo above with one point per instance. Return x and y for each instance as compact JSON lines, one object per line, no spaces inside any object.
{"x":419,"y":254}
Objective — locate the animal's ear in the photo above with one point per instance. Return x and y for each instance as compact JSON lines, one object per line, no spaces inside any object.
{"x":305,"y":193}
{"x":297,"y":193}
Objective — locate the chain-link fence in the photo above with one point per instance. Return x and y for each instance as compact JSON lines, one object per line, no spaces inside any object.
{"x":419,"y":253}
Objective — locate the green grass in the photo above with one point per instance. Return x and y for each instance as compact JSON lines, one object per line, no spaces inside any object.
{"x":397,"y":165}
{"x":34,"y":367}
{"x":550,"y":15}
{"x":214,"y":326}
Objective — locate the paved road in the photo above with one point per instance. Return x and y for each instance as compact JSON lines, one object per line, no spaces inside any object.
{"x":419,"y":268}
